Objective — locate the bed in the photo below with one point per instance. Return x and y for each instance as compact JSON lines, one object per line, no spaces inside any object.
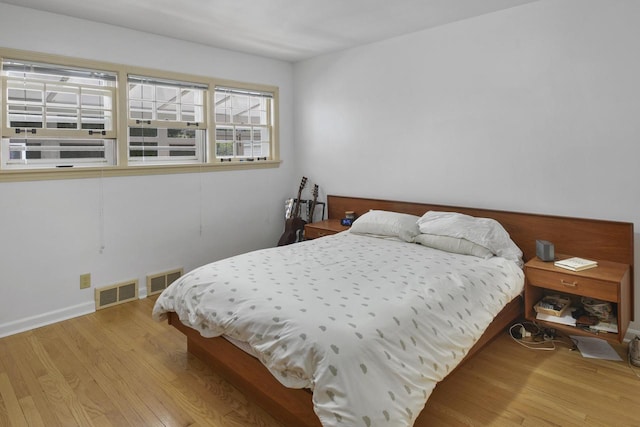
{"x":375,"y":309}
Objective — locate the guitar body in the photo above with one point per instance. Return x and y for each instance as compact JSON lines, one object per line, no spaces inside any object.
{"x":294,"y":225}
{"x":292,"y":229}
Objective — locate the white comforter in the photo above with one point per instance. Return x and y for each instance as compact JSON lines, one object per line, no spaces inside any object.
{"x":369,"y":325}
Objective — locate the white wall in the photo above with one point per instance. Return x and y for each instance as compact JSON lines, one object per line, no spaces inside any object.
{"x":53,"y":231}
{"x":534,"y":108}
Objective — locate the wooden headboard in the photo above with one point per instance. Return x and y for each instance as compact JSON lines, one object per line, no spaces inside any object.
{"x":587,"y":238}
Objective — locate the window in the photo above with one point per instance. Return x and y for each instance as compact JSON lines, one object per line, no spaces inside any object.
{"x":56,"y":116}
{"x":167,"y":121}
{"x":244,"y":123}
{"x":93,"y":118}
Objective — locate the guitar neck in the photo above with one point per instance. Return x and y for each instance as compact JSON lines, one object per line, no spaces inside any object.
{"x":296,"y":209}
{"x":313,"y":204}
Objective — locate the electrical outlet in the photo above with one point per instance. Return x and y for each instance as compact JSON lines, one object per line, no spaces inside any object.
{"x":85,"y":281}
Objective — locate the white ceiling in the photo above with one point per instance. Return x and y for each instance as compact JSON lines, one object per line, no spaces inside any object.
{"x":290,"y":30}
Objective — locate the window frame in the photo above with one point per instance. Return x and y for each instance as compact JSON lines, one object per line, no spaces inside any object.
{"x":242,"y":126}
{"x":48,"y":82}
{"x":199,"y":124}
{"x":120,"y":123}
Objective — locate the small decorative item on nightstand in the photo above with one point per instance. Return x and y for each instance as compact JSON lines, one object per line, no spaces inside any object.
{"x":349,"y":217}
{"x":554,"y":305}
{"x":545,"y":250}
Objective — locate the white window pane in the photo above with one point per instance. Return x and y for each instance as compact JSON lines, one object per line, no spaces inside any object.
{"x":135,"y":91}
{"x":243,"y":133}
{"x":20,"y":93}
{"x":62,"y":118}
{"x":261,"y":134}
{"x":148,"y":92}
{"x":265,"y":149}
{"x":96,"y":119}
{"x":173,"y":101}
{"x":259,"y":110}
{"x":243,"y":149}
{"x":240,"y":109}
{"x":224,"y":149}
{"x":223,"y":115}
{"x":166,"y":94}
{"x":192,"y":96}
{"x":224,"y":133}
{"x":96,"y":98}
{"x":192,"y":113}
{"x":249,"y":114}
{"x":166,"y":145}
{"x":141,"y":91}
{"x":220,"y":99}
{"x":50,"y":153}
{"x":167,"y":112}
{"x":141,"y":110}
{"x":62,"y":96}
{"x":187,"y":113}
{"x":25,"y":116}
{"x":72,"y":101}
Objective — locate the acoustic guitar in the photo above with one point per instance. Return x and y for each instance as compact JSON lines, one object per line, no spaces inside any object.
{"x":293,"y":225}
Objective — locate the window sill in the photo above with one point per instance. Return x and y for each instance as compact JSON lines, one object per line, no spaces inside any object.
{"x":138,"y":170}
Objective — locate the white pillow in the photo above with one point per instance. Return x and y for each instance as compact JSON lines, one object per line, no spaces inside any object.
{"x":453,"y":244}
{"x":387,"y":224}
{"x":485,"y":232}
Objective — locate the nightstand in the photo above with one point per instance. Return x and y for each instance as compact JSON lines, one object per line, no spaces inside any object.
{"x":609,"y":281}
{"x":323,"y":228}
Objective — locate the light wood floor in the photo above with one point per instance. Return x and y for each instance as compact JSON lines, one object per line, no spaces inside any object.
{"x":117,"y":367}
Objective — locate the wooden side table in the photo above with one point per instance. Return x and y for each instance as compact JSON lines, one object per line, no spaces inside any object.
{"x":327,"y":227}
{"x":609,"y":281}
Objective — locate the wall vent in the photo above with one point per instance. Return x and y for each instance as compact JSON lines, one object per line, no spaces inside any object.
{"x":158,"y":282}
{"x":116,"y":294}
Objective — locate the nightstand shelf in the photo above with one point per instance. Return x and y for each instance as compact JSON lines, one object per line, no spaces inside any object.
{"x":327,"y":227}
{"x":609,"y":281}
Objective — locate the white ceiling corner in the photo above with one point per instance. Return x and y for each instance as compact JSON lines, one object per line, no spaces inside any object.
{"x":290,"y":30}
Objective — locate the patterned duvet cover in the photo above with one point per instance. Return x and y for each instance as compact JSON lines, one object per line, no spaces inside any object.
{"x":370,"y":325}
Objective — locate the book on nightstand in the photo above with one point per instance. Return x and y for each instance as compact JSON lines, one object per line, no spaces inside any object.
{"x":606,"y":326}
{"x":575,"y":264}
{"x":565,"y":319}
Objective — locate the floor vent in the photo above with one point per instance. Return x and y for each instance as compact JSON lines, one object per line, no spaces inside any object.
{"x":116,"y":294}
{"x":157,"y":283}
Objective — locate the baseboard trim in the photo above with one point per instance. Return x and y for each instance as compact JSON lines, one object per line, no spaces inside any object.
{"x":33,"y":322}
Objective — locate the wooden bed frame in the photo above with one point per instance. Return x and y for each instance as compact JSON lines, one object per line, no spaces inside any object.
{"x":605,"y":240}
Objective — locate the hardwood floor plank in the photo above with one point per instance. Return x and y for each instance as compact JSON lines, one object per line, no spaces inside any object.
{"x":162,"y":365}
{"x":152,"y":391}
{"x":92,"y":348}
{"x":55,"y":385}
{"x":80,"y":378}
{"x":10,"y":367}
{"x":506,"y":384}
{"x":30,"y":370}
{"x":168,"y":347}
{"x":118,"y":367}
{"x":93,"y":356}
{"x":10,"y":401}
{"x":30,"y":411}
